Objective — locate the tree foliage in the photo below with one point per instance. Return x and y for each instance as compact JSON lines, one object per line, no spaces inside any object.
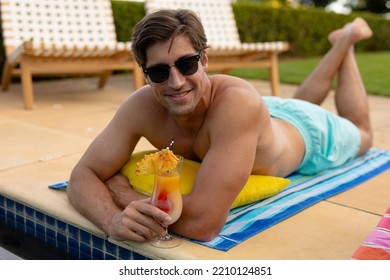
{"x":372,"y":6}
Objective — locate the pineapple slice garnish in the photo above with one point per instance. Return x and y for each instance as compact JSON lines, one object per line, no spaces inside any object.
{"x":157,"y":162}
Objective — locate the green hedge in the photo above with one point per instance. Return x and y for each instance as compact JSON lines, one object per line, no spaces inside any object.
{"x":305,"y":29}
{"x":126,"y":15}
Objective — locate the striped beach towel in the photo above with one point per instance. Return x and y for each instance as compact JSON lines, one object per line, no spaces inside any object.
{"x":377,"y":245}
{"x":303,"y":191}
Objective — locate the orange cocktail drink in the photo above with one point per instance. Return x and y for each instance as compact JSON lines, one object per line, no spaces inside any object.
{"x":167,"y":195}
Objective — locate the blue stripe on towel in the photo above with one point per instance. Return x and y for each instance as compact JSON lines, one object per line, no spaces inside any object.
{"x":304,"y":191}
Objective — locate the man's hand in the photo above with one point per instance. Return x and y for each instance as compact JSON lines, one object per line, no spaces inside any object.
{"x":139,"y":221}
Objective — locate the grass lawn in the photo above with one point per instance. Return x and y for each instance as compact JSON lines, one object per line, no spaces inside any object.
{"x":374,"y":68}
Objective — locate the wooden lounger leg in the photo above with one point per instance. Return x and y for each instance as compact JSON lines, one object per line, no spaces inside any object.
{"x":7,"y":74}
{"x":28,"y":95}
{"x":274,"y":74}
{"x":139,"y":80}
{"x":104,"y":77}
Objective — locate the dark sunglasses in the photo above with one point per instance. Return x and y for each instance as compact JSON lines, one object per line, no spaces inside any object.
{"x":186,"y":65}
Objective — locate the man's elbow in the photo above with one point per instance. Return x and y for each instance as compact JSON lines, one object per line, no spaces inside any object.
{"x":201,"y":230}
{"x":206,"y":235}
{"x":72,"y":195}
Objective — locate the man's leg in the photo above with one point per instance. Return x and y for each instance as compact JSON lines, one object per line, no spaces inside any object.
{"x":351,"y":97}
{"x":351,"y":100}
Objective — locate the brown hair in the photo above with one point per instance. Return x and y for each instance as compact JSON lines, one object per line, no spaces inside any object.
{"x":163,"y":25}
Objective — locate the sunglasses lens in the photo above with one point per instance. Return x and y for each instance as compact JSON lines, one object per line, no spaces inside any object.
{"x":187,"y":66}
{"x":158,"y":73}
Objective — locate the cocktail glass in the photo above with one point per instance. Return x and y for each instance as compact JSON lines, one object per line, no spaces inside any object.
{"x":167,"y":197}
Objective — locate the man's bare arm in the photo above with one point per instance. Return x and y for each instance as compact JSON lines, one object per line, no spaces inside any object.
{"x":90,"y":196}
{"x":224,"y":171}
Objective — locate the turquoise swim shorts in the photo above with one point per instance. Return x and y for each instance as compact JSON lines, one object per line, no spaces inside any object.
{"x":330,"y":140}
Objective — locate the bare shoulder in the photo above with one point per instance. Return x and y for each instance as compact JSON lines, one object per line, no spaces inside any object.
{"x":139,"y":116}
{"x":237,"y":95}
{"x":227,"y":82}
{"x":139,"y":100}
{"x":237,"y":110}
{"x":140,"y":109}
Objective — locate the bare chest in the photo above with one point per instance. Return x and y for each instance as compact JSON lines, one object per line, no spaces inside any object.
{"x":192,"y":146}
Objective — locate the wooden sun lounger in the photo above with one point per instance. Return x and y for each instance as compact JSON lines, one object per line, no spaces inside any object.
{"x":45,"y":37}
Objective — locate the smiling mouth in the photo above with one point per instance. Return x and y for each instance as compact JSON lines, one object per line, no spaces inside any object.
{"x":179,"y":94}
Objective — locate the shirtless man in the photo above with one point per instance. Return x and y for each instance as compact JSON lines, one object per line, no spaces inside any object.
{"x":221,"y":121}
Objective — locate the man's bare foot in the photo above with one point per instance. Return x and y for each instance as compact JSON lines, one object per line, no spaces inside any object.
{"x":355,"y":31}
{"x":335,"y":35}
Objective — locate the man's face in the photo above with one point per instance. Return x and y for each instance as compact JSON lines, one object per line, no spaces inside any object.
{"x":180,"y":92}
